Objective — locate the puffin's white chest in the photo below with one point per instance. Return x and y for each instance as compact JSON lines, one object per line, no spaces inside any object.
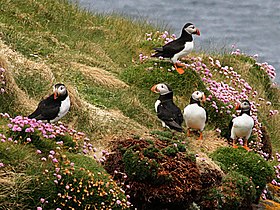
{"x":242,"y":126}
{"x":64,"y":108}
{"x":187,"y":49}
{"x":194,"y":116}
{"x":157,"y":103}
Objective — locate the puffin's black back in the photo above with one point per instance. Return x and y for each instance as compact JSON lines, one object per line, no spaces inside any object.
{"x":175,"y":46}
{"x":168,"y":112}
{"x":48,"y":108}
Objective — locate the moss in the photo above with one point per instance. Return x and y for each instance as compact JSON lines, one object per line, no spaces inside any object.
{"x":160,"y":175}
{"x":246,"y":163}
{"x":235,"y":192}
{"x":170,"y":150}
{"x":139,"y":169}
{"x":151,"y":152}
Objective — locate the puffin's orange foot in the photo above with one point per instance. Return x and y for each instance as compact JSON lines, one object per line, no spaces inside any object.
{"x":200,"y":137}
{"x":235,"y":146}
{"x":246,"y":147}
{"x":188,"y":133}
{"x":180,"y":70}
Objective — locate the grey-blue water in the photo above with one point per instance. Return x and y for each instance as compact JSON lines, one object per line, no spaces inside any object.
{"x":253,"y":26}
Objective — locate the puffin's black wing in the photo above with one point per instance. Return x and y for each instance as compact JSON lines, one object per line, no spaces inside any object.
{"x":171,"y":115}
{"x":46,"y":110}
{"x":229,"y":128}
{"x":170,"y":49}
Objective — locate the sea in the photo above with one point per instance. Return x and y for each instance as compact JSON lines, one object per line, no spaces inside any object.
{"x":251,"y":26}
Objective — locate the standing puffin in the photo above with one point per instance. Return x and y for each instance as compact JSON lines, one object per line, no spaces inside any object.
{"x":179,"y":47}
{"x":194,"y":115}
{"x":241,"y":126}
{"x":169,"y":114}
{"x":54,"y":107}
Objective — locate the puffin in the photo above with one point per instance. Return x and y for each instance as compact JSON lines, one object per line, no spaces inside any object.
{"x":54,"y":107}
{"x":241,"y":126}
{"x":179,"y":47}
{"x":194,"y":114}
{"x":169,"y":114}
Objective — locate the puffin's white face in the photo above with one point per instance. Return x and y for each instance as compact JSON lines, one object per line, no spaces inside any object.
{"x":59,"y":90}
{"x":161,"y":88}
{"x":245,"y":105}
{"x":198,"y":96}
{"x":191,"y":29}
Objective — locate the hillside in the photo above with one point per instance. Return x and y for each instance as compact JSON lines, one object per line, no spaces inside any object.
{"x":105,"y":63}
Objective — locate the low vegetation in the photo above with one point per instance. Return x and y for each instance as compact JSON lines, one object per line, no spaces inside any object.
{"x":104,"y":60}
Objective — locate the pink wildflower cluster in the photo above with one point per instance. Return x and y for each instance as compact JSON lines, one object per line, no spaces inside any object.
{"x":236,"y":52}
{"x":276,"y":181}
{"x":79,"y":189}
{"x":48,"y":131}
{"x":142,"y":57}
{"x":59,"y":168}
{"x":2,"y":80}
{"x":269,"y":69}
{"x":165,"y":36}
{"x":273,"y":112}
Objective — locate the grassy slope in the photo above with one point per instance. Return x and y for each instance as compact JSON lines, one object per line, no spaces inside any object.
{"x":53,"y":41}
{"x":48,"y":41}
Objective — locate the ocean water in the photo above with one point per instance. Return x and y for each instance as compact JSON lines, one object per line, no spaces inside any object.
{"x":252,"y":26}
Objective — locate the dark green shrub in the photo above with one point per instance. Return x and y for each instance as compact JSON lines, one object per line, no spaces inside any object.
{"x":246,"y":163}
{"x":139,"y":168}
{"x":170,"y":150}
{"x":235,"y":192}
{"x":159,"y":175}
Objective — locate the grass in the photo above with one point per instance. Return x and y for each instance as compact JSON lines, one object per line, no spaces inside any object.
{"x":97,"y":56}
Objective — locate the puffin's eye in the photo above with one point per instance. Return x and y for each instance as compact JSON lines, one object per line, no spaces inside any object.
{"x":162,"y":86}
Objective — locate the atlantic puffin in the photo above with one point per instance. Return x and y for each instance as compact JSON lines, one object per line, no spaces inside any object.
{"x":54,"y":107}
{"x":179,"y":47}
{"x":169,"y":114}
{"x":241,"y":126}
{"x":195,"y":115}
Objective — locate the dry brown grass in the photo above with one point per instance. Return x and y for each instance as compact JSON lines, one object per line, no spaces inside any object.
{"x":12,"y":185}
{"x":99,"y":76}
{"x":211,"y":141}
{"x":21,"y":99}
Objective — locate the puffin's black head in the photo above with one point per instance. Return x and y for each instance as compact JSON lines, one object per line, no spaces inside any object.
{"x":161,"y":88}
{"x":197,"y":97}
{"x":244,"y":106}
{"x":189,"y":28}
{"x":59,"y":90}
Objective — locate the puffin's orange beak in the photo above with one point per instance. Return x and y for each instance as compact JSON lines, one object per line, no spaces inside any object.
{"x":237,"y":106}
{"x":55,"y":94}
{"x":154,"y":89}
{"x":197,"y":32}
{"x":203,"y":98}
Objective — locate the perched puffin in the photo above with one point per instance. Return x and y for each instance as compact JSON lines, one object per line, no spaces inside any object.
{"x":179,"y":47}
{"x":241,"y":126}
{"x":54,"y":107}
{"x":169,"y":114}
{"x":194,"y":115}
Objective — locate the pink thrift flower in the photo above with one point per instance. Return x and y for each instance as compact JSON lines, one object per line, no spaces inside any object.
{"x":55,"y":160}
